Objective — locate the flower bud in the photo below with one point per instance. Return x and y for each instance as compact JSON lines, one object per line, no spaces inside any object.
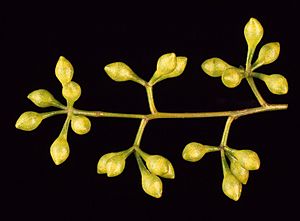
{"x":232,"y":77}
{"x":101,"y":166}
{"x":119,"y":71}
{"x":214,"y":67}
{"x":231,"y":186}
{"x":238,"y":171}
{"x":160,"y":166}
{"x":59,"y":150}
{"x":195,"y":151}
{"x":29,"y":121}
{"x":247,"y":158}
{"x":115,"y":165}
{"x":180,"y":66}
{"x":276,"y":83}
{"x":80,"y":124}
{"x":71,"y":91}
{"x":166,"y":63}
{"x":42,"y":98}
{"x":64,"y":70}
{"x":152,"y":184}
{"x":253,"y":32}
{"x":267,"y":54}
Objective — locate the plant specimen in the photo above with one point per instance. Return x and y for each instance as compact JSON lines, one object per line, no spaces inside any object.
{"x":153,"y":167}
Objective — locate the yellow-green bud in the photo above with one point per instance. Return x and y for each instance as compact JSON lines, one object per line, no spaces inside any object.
{"x":232,"y":77}
{"x":152,"y":184}
{"x":119,"y":71}
{"x":195,"y":151}
{"x":166,"y":63}
{"x":159,"y":75}
{"x":80,"y":124}
{"x":64,"y":70}
{"x":267,"y":54}
{"x":115,"y":165}
{"x":231,"y":186}
{"x":247,"y":158}
{"x":214,"y":67}
{"x":71,"y":91}
{"x":29,"y":121}
{"x":253,"y":32}
{"x":59,"y":150}
{"x":101,"y":166}
{"x":42,"y":98}
{"x":276,"y":83}
{"x":160,"y":166}
{"x":238,"y":171}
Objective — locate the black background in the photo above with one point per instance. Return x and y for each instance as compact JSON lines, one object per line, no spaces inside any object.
{"x":92,"y":36}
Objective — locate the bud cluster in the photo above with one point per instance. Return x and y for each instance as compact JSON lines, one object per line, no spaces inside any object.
{"x":232,"y":76}
{"x":241,"y":161}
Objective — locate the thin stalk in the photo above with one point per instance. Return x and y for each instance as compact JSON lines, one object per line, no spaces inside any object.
{"x":106,"y":114}
{"x":253,"y":87}
{"x":64,"y":131}
{"x":139,"y":134}
{"x":151,"y":99}
{"x":226,"y":132}
{"x":162,"y":115}
{"x":53,"y":113}
{"x":250,"y":54}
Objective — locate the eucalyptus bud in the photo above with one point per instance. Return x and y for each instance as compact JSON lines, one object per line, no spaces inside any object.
{"x":42,"y":98}
{"x":115,"y":165}
{"x":232,"y":77}
{"x":253,"y":32}
{"x":247,"y":158}
{"x":64,"y":70}
{"x":152,"y":184}
{"x":267,"y":54}
{"x":276,"y":83}
{"x":231,"y":186}
{"x":160,"y":166}
{"x":119,"y":71}
{"x":214,"y":67}
{"x":195,"y":151}
{"x":101,"y":166}
{"x":80,"y":124}
{"x":159,"y":75}
{"x":71,"y":91}
{"x":238,"y":171}
{"x":29,"y":121}
{"x":60,"y":150}
{"x":166,"y":63}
